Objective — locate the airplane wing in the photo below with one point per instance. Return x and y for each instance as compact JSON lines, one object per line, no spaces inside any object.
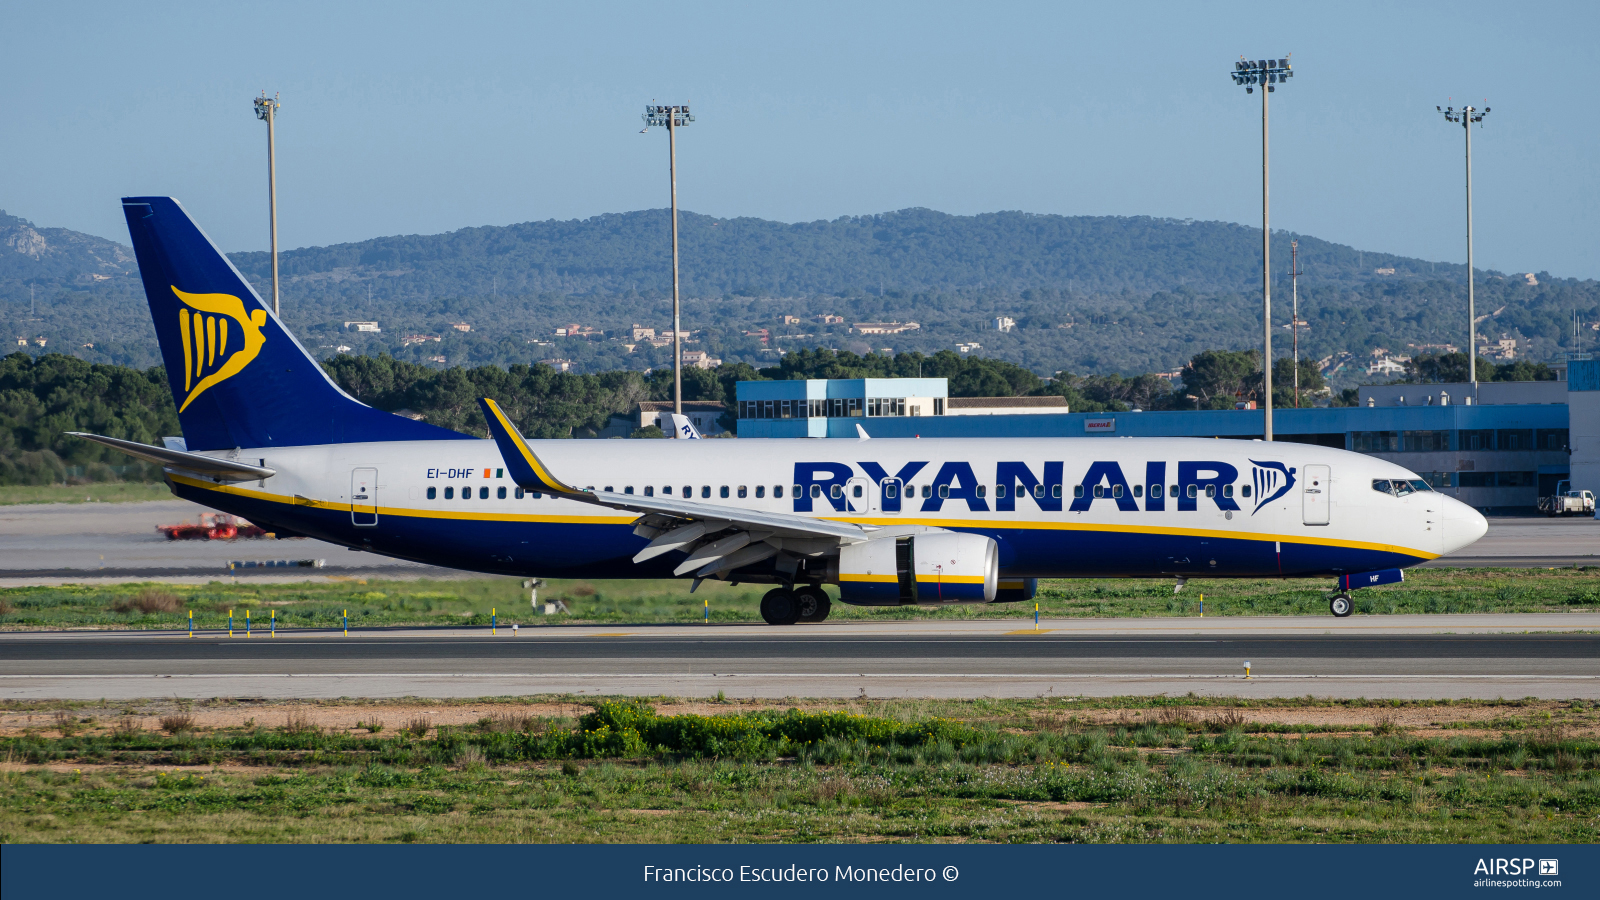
{"x":220,"y":469}
{"x":717,"y":538}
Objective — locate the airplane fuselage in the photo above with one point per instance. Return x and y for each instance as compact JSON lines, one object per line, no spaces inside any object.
{"x":1061,"y":508}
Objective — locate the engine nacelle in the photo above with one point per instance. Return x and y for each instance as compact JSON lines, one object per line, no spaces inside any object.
{"x":939,"y":567}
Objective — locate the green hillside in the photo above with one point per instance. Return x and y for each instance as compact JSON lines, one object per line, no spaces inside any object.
{"x":1097,"y":295}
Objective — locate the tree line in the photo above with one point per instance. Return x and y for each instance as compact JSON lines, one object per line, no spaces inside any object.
{"x":43,"y":397}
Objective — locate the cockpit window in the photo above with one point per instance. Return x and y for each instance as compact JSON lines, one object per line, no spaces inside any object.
{"x":1402,"y":488}
{"x":1419,"y":484}
{"x":1382,"y":486}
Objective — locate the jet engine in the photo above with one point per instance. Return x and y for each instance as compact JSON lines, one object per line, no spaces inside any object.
{"x":934,"y":567}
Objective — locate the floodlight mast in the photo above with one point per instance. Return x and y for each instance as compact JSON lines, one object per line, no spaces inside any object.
{"x":1268,"y":73}
{"x":1294,"y":321}
{"x":673,"y":117}
{"x":1466,"y":116}
{"x":267,"y":111}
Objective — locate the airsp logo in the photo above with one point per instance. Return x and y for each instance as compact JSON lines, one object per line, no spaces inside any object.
{"x":209,"y":323}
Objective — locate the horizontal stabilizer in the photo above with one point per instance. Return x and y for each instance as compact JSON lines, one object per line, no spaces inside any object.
{"x":220,"y":469}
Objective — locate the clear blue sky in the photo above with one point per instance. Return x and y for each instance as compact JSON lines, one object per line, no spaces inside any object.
{"x":421,"y":118}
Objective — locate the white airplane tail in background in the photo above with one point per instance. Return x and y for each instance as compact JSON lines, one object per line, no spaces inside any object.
{"x":683,"y":428}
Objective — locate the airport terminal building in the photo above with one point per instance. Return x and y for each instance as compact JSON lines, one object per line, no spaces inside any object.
{"x":1499,"y":451}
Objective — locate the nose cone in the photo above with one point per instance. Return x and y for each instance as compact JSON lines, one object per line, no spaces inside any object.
{"x":1463,"y":525}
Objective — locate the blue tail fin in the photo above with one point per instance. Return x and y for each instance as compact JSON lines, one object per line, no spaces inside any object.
{"x":238,"y":377}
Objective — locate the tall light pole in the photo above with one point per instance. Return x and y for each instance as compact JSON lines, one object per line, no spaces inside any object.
{"x":1465,"y":116}
{"x":1268,"y":74}
{"x":1294,"y":323}
{"x":673,"y":117}
{"x":267,"y":111}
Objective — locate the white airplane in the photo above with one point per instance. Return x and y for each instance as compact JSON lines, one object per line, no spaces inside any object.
{"x":267,"y":436}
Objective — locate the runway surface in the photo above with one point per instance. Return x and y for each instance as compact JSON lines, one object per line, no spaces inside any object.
{"x":1546,"y":656}
{"x":116,"y":542}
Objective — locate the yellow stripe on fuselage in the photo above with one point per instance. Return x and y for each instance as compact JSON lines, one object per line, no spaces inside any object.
{"x":955,"y":579}
{"x":873,"y":578}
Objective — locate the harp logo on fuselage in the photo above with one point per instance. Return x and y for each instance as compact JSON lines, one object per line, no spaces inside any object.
{"x":211,"y":325}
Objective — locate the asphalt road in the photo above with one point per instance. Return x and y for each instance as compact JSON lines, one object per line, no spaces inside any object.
{"x":1401,"y":656}
{"x":87,"y":542}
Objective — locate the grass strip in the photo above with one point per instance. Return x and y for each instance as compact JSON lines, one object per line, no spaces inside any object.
{"x":625,"y":772}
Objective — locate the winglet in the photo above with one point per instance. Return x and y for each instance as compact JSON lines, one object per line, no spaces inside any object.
{"x":526,"y":469}
{"x":863,"y":432}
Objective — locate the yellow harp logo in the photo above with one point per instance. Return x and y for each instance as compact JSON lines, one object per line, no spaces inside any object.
{"x":209,"y":323}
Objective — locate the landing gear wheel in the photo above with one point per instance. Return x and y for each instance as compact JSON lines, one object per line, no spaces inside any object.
{"x":1341,"y":605}
{"x":780,"y":607}
{"x":813,"y":603}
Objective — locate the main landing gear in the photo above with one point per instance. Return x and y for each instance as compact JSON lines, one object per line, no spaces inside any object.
{"x":1341,"y":605}
{"x":781,"y":606}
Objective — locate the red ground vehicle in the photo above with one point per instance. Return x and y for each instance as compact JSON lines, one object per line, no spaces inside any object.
{"x":212,"y":527}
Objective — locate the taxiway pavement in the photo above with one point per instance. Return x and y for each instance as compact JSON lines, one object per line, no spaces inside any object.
{"x":1554,"y":656}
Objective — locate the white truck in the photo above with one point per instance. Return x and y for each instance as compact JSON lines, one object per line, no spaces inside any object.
{"x":1567,"y":502}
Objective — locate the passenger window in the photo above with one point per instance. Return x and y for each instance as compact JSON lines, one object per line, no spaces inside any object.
{"x":777,"y":491}
{"x":483,"y":493}
{"x":1099,"y":491}
{"x":667,"y":491}
{"x":944,"y":492}
{"x":1038,"y":492}
{"x":1138,"y":490}
{"x":1211,"y":490}
{"x":433,"y":493}
{"x":983,"y":491}
{"x":761,"y":491}
{"x":519,"y":493}
{"x":816,"y":491}
{"x":1077,"y":491}
{"x":1174,"y":492}
{"x":835,"y":492}
{"x":855,"y":491}
{"x":1244,"y":491}
{"x":628,"y":489}
{"x":688,"y":491}
{"x":1227,"y":490}
{"x":1055,"y":491}
{"x":536,"y":495}
{"x":500,"y":493}
{"x":743,"y":492}
{"x":705,"y":492}
{"x":1381,"y":485}
{"x":466,"y":493}
{"x":999,"y":491}
{"x":1116,"y":491}
{"x":724,"y":492}
{"x":927,"y":491}
{"x":449,"y":493}
{"x":610,"y":488}
{"x":1193,"y":493}
{"x":889,"y":490}
{"x":649,"y":490}
{"x":1155,"y":492}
